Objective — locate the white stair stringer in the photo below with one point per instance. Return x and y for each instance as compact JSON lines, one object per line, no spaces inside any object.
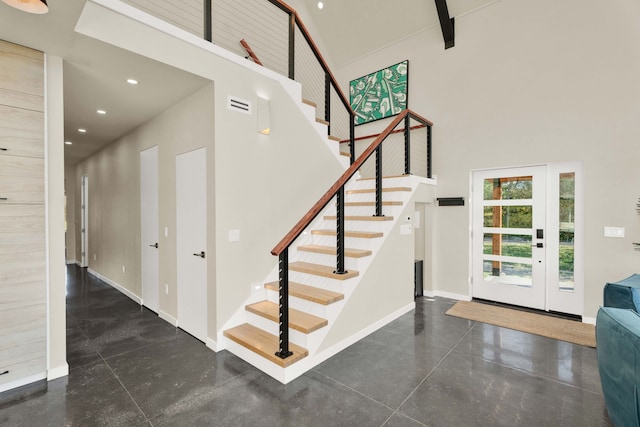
{"x":313,"y":341}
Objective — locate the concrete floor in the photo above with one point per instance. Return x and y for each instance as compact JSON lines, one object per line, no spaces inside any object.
{"x":130,"y":368}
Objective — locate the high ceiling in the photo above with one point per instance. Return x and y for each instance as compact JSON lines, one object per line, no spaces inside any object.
{"x":95,"y":73}
{"x":95,"y":77}
{"x":353,"y":28}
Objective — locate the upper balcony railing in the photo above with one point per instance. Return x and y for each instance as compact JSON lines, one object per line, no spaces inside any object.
{"x":278,"y":37}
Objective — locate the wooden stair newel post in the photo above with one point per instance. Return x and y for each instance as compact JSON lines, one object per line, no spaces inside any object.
{"x":283,"y":304}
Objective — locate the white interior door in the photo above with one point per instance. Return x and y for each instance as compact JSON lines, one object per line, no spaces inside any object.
{"x":84,"y":221}
{"x":149,"y":228}
{"x":191,"y":236}
{"x":508,"y":241}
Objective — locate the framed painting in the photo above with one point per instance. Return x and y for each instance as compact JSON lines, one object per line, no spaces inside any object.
{"x":381,"y":94}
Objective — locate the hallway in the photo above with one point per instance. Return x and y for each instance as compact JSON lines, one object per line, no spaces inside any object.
{"x":130,"y":368}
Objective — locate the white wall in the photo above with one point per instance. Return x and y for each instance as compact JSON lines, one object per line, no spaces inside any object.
{"x":529,"y":83}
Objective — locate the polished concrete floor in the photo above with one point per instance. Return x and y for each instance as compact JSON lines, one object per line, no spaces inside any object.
{"x":129,"y":368}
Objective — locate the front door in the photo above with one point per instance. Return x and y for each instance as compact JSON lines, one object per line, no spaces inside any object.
{"x":508,"y":240}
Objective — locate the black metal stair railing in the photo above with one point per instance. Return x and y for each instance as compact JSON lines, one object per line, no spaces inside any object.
{"x":337,"y":191}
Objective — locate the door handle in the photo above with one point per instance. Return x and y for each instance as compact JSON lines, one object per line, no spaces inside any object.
{"x":154,"y":246}
{"x":538,"y":245}
{"x":201,"y":254}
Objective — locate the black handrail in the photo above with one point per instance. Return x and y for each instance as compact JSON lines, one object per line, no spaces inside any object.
{"x":337,"y":190}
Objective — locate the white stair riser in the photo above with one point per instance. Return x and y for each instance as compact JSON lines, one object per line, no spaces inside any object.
{"x":320,"y":310}
{"x":334,"y":285}
{"x":387,"y":196}
{"x":323,"y":259}
{"x":386,"y":182}
{"x":360,"y":225}
{"x":350,"y":242}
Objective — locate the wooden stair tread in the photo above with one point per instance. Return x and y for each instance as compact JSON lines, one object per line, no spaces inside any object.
{"x":360,"y":218}
{"x":334,"y":138}
{"x":298,"y":320}
{"x":344,"y":153}
{"x":324,"y":122}
{"x":264,"y":344}
{"x":308,"y":102}
{"x":373,"y":190}
{"x":359,"y":234}
{"x":331,"y":250}
{"x":321,"y":270}
{"x":309,"y":293}
{"x":388,"y":203}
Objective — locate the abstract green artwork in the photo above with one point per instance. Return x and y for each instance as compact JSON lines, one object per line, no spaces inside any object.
{"x":380,"y":94}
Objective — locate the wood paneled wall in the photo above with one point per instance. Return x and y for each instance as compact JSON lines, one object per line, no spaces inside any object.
{"x":22,"y":217}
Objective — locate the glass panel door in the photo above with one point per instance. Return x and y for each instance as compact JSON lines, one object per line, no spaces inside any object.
{"x":509,"y":236}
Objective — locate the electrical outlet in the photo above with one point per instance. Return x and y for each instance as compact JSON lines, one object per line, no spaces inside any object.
{"x":123,"y":270}
{"x":166,"y":289}
{"x":166,"y":232}
{"x":94,"y":257}
{"x":614,"y":232}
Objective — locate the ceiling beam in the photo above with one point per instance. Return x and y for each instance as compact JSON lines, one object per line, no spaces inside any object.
{"x":446,"y":23}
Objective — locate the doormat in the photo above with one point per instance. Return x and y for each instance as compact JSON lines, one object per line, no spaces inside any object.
{"x":539,"y":324}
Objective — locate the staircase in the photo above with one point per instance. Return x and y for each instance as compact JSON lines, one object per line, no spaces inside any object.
{"x":317,"y":295}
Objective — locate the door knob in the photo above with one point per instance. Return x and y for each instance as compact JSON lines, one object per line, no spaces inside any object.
{"x":538,"y":245}
{"x":201,"y":254}
{"x":154,"y":246}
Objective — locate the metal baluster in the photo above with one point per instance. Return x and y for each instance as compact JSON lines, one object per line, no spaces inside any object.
{"x":352,"y":137}
{"x":292,"y":46}
{"x":428,"y":151}
{"x":327,"y":101}
{"x":379,"y":181}
{"x":340,"y":232}
{"x":207,"y":21}
{"x":283,"y":302}
{"x":407,"y":145}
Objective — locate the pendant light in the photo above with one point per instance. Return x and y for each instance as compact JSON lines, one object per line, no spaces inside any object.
{"x":31,"y":6}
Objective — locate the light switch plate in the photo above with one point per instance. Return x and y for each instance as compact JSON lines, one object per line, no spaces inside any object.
{"x":617,"y":232}
{"x":405,"y":229}
{"x":234,"y":235}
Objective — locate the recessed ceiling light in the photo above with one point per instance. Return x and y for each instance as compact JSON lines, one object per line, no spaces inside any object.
{"x":68,"y":142}
{"x":132,"y":81}
{"x":82,"y":130}
{"x":320,"y":5}
{"x":101,"y":112}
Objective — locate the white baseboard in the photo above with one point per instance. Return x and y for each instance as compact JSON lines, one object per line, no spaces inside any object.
{"x":213,"y":345}
{"x":168,"y":318}
{"x":72,"y":261}
{"x":22,"y":381}
{"x":59,"y":372}
{"x":119,"y":287}
{"x":589,"y":320}
{"x":450,"y":295}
